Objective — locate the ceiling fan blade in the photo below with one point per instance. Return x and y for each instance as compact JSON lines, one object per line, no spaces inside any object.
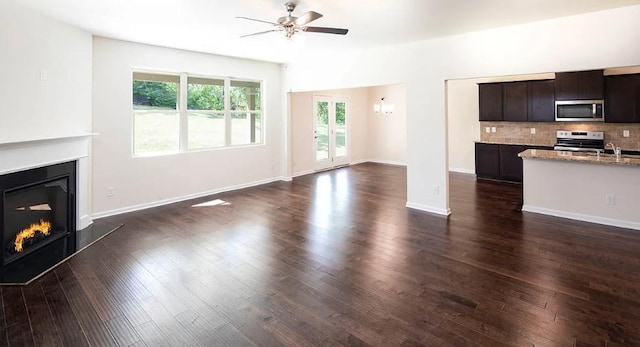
{"x":307,"y":18}
{"x":336,"y":31}
{"x":259,"y":33}
{"x":258,"y":20}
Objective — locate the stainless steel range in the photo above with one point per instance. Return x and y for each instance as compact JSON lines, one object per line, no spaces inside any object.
{"x":579,"y":141}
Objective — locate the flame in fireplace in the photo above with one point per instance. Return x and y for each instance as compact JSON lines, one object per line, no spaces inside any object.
{"x":44,"y":227}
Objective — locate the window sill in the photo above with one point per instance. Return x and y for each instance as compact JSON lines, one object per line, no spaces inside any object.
{"x":172,"y":153}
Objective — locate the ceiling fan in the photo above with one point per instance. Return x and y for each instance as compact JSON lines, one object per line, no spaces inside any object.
{"x":291,"y":25}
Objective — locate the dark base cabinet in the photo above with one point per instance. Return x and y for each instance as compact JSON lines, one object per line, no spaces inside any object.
{"x":510,"y":163}
{"x":499,"y":161}
{"x":488,"y":160}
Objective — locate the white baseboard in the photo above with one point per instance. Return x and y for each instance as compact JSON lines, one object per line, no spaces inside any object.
{"x":583,"y":217}
{"x":302,"y":173}
{"x":388,"y":162}
{"x":430,"y":209}
{"x":354,"y":162}
{"x":379,"y":161}
{"x":85,"y":221}
{"x":359,"y":161}
{"x":461,"y":170}
{"x":157,"y":203}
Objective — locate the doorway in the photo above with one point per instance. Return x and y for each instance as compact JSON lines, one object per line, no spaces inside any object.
{"x":330,"y":136}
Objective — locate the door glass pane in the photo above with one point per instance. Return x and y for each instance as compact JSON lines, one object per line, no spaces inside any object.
{"x":322,"y":130}
{"x":341,"y":129}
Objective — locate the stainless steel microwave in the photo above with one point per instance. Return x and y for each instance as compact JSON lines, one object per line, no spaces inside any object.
{"x":580,"y":111}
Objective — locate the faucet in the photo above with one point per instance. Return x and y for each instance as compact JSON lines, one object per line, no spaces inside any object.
{"x":616,"y":150}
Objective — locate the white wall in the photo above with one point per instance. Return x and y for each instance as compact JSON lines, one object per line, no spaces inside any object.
{"x":544,"y":191}
{"x":36,"y":109}
{"x":148,"y":181}
{"x":387,"y":141}
{"x":57,"y":105}
{"x":373,"y":137}
{"x":302,"y":146}
{"x":463,"y":125}
{"x":555,"y":45}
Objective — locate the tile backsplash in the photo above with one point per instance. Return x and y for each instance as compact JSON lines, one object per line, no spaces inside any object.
{"x":545,"y":133}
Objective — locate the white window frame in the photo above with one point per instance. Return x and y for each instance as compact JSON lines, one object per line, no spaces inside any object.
{"x":185,"y":134}
{"x":248,"y":112}
{"x":135,"y":112}
{"x":183,"y":114}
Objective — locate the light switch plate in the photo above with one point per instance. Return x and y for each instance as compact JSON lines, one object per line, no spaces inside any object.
{"x":493,"y":129}
{"x":625,"y":133}
{"x":533,"y":131}
{"x":487,"y":130}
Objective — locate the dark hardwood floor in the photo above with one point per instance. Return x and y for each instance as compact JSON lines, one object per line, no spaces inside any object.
{"x":336,"y":259}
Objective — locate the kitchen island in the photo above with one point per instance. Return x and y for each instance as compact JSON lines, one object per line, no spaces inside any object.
{"x":600,"y":189}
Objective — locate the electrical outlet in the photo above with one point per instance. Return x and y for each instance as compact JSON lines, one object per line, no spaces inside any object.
{"x":43,"y":74}
{"x":436,"y":189}
{"x":533,"y":131}
{"x":493,"y":129}
{"x":610,"y":199}
{"x":487,"y":130}
{"x":625,"y":133}
{"x":111,"y":191}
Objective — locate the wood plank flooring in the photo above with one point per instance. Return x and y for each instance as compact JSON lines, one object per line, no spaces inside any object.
{"x":335,"y":259}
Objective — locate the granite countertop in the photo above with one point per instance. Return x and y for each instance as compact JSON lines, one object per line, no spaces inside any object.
{"x":584,"y":157}
{"x":512,"y":143}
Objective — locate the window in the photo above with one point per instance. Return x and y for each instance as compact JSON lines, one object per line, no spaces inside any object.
{"x":217,"y":112}
{"x":156,"y":120}
{"x":205,"y":110}
{"x":245,"y":112}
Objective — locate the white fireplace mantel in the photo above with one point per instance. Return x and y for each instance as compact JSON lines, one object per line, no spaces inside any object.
{"x":21,"y":143}
{"x":28,"y":154}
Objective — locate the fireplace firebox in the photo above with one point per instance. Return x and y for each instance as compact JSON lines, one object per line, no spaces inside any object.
{"x":38,"y":213}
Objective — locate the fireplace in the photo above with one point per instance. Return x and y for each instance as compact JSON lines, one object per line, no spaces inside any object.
{"x":38,"y":213}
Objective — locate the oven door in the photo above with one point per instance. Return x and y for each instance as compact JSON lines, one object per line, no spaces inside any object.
{"x":580,"y":111}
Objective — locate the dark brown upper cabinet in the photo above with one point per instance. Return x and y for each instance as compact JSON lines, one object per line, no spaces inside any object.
{"x":580,"y":85}
{"x":514,"y":101}
{"x":541,"y":99}
{"x":490,"y":101}
{"x":622,"y":99}
{"x":524,"y":101}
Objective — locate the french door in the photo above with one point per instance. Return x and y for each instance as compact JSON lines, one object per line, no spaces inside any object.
{"x":330,"y":132}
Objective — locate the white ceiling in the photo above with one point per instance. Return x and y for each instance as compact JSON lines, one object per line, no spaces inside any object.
{"x":210,"y":25}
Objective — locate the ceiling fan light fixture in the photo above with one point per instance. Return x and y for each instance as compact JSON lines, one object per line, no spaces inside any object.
{"x":291,"y":24}
{"x":296,"y":41}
